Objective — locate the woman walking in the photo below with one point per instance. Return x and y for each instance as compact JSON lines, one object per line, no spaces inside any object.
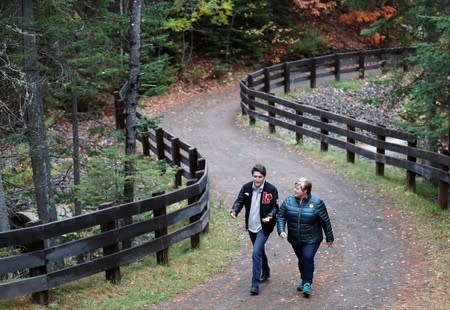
{"x":306,"y":217}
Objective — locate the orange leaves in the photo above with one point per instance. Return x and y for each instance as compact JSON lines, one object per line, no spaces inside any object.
{"x":358,"y":16}
{"x":315,"y":6}
{"x":377,"y":38}
{"x":388,"y":11}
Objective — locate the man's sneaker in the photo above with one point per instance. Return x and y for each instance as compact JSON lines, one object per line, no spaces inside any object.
{"x":254,"y":290}
{"x":300,"y":286}
{"x":264,"y":277}
{"x":307,"y":289}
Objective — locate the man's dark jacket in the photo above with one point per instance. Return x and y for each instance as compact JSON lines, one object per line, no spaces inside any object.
{"x":268,"y":204}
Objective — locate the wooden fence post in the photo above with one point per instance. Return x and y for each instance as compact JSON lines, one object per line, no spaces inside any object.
{"x":312,"y":69}
{"x":271,"y":114}
{"x":201,"y":168}
{"x":162,"y":257}
{"x":443,"y":192}
{"x":145,"y":141}
{"x":266,"y":80}
{"x":337,"y":67}
{"x":379,"y":165}
{"x":361,"y":68}
{"x":112,"y":275}
{"x":405,"y":65}
{"x":287,"y":78}
{"x":411,"y":176}
{"x":324,"y":145}
{"x":176,"y":160}
{"x":251,"y":119}
{"x":193,"y":158}
{"x":267,"y":91}
{"x":159,"y":137}
{"x":298,"y":135}
{"x":350,"y":155}
{"x":42,"y":297}
{"x":195,"y":239}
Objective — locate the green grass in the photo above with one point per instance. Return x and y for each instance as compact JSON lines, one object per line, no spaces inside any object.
{"x":347,"y":85}
{"x":145,"y":283}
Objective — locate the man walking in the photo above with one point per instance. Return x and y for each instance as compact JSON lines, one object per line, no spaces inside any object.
{"x":259,"y":198}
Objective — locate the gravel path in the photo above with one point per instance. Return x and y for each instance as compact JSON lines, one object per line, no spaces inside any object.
{"x":374,"y":263}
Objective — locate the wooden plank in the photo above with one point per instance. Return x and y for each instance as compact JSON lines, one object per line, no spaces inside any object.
{"x":23,"y":286}
{"x":22,"y":261}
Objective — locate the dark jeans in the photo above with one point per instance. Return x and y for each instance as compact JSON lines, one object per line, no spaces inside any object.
{"x":305,"y":255}
{"x":260,"y":264}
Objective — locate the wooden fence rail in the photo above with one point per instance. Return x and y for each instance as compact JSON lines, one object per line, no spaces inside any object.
{"x":383,"y":145}
{"x":158,"y":227}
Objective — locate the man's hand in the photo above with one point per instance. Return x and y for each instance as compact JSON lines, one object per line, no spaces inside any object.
{"x":233,"y":214}
{"x":283,"y":235}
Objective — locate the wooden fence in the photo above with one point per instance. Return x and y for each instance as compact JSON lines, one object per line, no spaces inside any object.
{"x":389,"y":146}
{"x":157,"y":228}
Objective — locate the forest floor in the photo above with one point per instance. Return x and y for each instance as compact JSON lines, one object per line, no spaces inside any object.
{"x":377,"y":260}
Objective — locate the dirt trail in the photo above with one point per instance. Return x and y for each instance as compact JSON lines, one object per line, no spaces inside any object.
{"x":371,"y":265}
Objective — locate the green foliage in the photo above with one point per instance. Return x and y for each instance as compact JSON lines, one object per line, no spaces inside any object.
{"x":185,"y":14}
{"x":219,"y":70}
{"x":104,"y":177}
{"x":427,"y":106}
{"x":145,"y":123}
{"x":312,"y":43}
{"x":81,"y":48}
{"x":155,"y":76}
{"x":192,"y":75}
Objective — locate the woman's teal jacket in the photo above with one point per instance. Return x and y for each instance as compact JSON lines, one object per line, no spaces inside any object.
{"x":305,"y":220}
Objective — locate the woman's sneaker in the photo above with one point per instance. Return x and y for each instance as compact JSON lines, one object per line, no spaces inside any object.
{"x":307,"y":289}
{"x":300,"y":286}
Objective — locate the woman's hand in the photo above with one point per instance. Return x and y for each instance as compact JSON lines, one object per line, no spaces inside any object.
{"x":266,"y":219}
{"x":283,"y":235}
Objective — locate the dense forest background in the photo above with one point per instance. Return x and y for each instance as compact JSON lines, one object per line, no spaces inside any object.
{"x":60,"y":60}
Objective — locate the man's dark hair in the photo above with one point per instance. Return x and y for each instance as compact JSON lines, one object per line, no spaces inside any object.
{"x":260,"y":168}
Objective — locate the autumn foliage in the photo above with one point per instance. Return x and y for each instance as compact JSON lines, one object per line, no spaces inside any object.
{"x":358,"y":16}
{"x":315,"y":6}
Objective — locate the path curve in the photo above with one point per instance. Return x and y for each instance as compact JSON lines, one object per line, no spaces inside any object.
{"x":370,"y":265}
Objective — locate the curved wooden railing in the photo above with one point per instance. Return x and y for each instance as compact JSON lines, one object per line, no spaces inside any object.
{"x":388,"y":146}
{"x":42,"y":259}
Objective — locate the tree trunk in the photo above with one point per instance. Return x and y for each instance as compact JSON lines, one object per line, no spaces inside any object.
{"x":132,"y":96}
{"x":4,"y":221}
{"x":131,"y":102}
{"x":40,"y":160}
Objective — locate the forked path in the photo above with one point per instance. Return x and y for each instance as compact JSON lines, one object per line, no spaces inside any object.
{"x":371,"y":265}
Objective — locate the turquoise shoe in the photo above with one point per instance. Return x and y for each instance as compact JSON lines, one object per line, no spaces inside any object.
{"x":307,"y":289}
{"x":300,"y":286}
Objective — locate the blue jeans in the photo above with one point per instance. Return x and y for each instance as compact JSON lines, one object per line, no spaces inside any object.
{"x":259,"y":258}
{"x":305,"y":255}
